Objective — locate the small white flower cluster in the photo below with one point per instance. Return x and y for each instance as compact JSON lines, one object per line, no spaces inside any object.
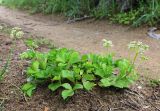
{"x":16,"y":33}
{"x":1,"y":27}
{"x":107,"y":43}
{"x":138,"y":47}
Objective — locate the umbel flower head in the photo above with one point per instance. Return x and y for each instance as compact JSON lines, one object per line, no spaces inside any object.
{"x":138,"y":47}
{"x":107,"y":43}
{"x":19,"y":34}
{"x":16,"y":33}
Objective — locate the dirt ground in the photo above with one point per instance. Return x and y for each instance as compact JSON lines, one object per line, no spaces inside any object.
{"x":86,"y":36}
{"x":140,"y":97}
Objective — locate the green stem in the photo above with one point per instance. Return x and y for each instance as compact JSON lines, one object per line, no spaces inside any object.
{"x":135,"y":57}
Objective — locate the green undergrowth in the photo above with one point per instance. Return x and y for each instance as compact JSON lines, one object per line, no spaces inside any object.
{"x":127,"y":12}
{"x":4,"y":67}
{"x":67,"y":69}
{"x":155,"y":82}
{"x":34,"y":43}
{"x":70,"y":71}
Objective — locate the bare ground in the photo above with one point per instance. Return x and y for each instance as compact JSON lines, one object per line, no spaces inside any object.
{"x":140,"y":97}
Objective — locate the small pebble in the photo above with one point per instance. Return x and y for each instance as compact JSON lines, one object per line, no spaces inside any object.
{"x":139,"y":87}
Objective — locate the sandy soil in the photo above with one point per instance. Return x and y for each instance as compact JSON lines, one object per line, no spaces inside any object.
{"x":86,"y":36}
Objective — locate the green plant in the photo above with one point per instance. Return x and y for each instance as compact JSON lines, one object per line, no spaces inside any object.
{"x":3,"y":70}
{"x":149,"y":13}
{"x":36,"y":43}
{"x":105,"y":9}
{"x":126,"y":18}
{"x":68,"y":70}
{"x":139,"y":49}
{"x":2,"y":105}
{"x":57,"y":66}
{"x":155,"y":82}
{"x":31,"y":44}
{"x":16,"y":33}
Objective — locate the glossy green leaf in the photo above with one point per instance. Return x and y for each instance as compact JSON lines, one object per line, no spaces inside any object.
{"x":30,"y":54}
{"x":67,"y":93}
{"x":78,"y":86}
{"x":122,"y":83}
{"x":54,"y":86}
{"x":56,"y":78}
{"x":61,"y":56}
{"x":89,"y":77}
{"x":67,"y":86}
{"x":28,"y":88}
{"x":88,"y":85}
{"x":105,"y":82}
{"x":35,"y":65}
{"x":74,"y":58}
{"x":68,"y":75}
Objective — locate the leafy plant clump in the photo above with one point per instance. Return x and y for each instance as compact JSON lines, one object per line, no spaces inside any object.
{"x":126,"y":18}
{"x":70,"y":71}
{"x":16,"y":33}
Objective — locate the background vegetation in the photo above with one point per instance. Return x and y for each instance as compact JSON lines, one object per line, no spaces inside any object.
{"x":134,"y":12}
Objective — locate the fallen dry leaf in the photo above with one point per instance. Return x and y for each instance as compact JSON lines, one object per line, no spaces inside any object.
{"x":46,"y":109}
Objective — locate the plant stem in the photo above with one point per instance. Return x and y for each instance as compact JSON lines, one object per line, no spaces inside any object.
{"x":135,"y":57}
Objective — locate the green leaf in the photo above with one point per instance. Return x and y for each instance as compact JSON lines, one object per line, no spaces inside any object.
{"x":61,"y":56}
{"x":35,"y":65}
{"x":67,"y":93}
{"x":122,"y":83}
{"x":31,"y":43}
{"x":43,"y":62}
{"x":27,"y":55}
{"x":88,"y":85}
{"x":28,"y":88}
{"x":77,"y":73}
{"x":62,"y":65}
{"x":42,"y":74}
{"x":104,"y":70}
{"x":78,"y":86}
{"x":74,"y":58}
{"x":68,"y":75}
{"x":54,"y":86}
{"x":57,"y":78}
{"x":124,"y":66}
{"x":67,"y":86}
{"x":31,"y":72}
{"x":99,"y":72}
{"x":105,"y":82}
{"x":84,"y":57}
{"x":89,"y":77}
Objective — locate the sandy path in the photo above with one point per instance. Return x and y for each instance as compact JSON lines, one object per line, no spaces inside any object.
{"x":86,"y":36}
